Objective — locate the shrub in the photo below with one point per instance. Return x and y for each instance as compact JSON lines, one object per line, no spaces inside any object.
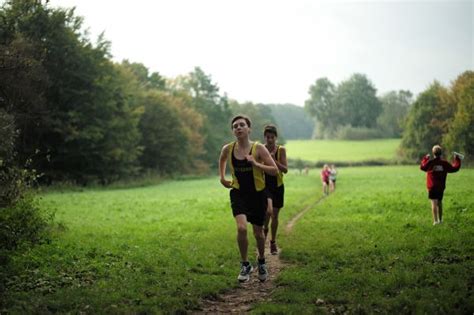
{"x":21,"y":220}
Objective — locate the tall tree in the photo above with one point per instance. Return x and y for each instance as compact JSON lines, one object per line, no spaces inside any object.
{"x":424,"y":126}
{"x":213,"y":107}
{"x":146,"y":79}
{"x":87,"y":128}
{"x":163,"y":140}
{"x":395,"y":107}
{"x":356,"y":102}
{"x":353,"y":103}
{"x":460,"y":134}
{"x":321,"y":106}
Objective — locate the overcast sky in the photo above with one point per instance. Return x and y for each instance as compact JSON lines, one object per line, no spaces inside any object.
{"x":272,"y":51}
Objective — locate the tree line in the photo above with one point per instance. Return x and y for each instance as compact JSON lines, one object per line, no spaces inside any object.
{"x":438,"y":115}
{"x":75,"y":115}
{"x":352,"y":110}
{"x":441,"y":115}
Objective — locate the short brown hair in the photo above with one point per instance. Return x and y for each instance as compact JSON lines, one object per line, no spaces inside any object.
{"x":247,"y":120}
{"x":437,"y":150}
{"x":270,"y":129}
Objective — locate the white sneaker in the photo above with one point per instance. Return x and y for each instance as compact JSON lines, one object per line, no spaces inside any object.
{"x":245,"y":272}
{"x":262,"y":272}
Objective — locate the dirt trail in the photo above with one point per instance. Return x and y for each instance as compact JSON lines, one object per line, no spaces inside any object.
{"x":241,"y":300}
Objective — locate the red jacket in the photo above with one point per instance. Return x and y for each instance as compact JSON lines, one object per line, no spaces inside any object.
{"x":437,"y":170}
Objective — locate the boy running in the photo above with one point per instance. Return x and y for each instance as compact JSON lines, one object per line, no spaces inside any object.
{"x":274,"y":184}
{"x":248,"y":162}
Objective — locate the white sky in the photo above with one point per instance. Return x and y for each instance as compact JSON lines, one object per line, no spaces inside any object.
{"x":272,"y":51}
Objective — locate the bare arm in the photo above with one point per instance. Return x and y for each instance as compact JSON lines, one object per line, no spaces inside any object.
{"x":268,"y":165}
{"x":222,"y":166}
{"x":283,"y":163}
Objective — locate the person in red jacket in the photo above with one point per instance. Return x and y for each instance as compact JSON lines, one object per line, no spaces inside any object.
{"x":437,"y":170}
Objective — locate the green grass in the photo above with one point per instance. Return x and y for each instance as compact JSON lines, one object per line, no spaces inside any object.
{"x":342,"y":151}
{"x":153,"y":249}
{"x":369,"y":247}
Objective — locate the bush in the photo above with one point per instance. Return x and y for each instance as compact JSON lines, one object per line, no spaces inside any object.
{"x":21,"y":220}
{"x":23,"y":223}
{"x":358,"y":133}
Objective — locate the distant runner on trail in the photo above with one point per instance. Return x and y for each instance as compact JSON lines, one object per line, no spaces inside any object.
{"x":248,"y":162}
{"x":332,"y":177}
{"x":325,"y":179}
{"x":274,"y":184}
{"x":437,"y":170}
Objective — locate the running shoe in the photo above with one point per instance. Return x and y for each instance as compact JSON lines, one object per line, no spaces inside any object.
{"x":245,"y":272}
{"x":262,"y":272}
{"x":273,"y":248}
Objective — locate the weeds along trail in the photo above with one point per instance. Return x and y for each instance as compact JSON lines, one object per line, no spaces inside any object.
{"x":241,"y":299}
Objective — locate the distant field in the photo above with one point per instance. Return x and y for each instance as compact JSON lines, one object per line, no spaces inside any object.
{"x":338,"y":150}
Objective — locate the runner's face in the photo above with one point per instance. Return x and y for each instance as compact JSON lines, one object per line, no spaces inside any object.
{"x":270,"y":138}
{"x":240,"y":128}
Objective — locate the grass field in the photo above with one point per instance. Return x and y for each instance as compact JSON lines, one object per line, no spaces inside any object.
{"x":342,"y":151}
{"x":153,"y":249}
{"x":369,"y":247}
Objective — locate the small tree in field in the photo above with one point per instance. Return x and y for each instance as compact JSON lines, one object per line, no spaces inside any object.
{"x":299,"y":165}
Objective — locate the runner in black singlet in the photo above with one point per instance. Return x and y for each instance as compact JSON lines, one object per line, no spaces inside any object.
{"x":248,"y":162}
{"x":274,"y":184}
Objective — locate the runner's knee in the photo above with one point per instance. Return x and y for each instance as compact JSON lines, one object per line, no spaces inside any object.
{"x":242,"y":229}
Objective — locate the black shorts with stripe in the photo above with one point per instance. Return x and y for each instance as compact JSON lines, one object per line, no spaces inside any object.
{"x":252,"y":204}
{"x":277,"y":195}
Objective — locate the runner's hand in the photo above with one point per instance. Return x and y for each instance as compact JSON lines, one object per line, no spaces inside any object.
{"x":226,"y":183}
{"x":269,"y":211}
{"x":250,"y":159}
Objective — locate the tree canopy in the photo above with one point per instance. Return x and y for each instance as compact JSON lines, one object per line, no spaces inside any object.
{"x":352,"y":103}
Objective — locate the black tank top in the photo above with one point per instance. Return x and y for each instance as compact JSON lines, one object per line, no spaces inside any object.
{"x":271,"y":181}
{"x":244,"y":172}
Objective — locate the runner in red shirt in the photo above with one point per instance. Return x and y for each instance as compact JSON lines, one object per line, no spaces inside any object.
{"x":325,"y":172}
{"x":437,"y":169}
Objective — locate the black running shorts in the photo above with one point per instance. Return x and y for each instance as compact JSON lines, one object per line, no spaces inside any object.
{"x":252,"y":204}
{"x":435,"y":194}
{"x":276,"y":194}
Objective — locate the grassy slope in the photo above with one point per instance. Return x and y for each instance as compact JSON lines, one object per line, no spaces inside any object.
{"x":136,"y":250}
{"x":371,"y":247}
{"x":336,"y":150}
